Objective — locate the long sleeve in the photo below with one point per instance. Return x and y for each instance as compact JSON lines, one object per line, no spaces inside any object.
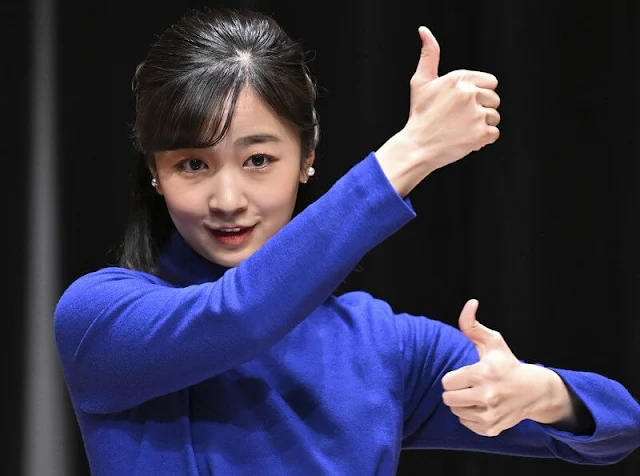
{"x":430,"y":349}
{"x":125,"y":337}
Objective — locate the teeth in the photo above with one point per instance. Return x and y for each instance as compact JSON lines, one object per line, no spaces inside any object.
{"x":230,"y":230}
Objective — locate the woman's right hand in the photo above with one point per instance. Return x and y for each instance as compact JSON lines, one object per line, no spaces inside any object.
{"x":449,"y":117}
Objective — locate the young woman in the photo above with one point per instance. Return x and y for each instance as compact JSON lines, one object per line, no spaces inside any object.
{"x":218,"y":345}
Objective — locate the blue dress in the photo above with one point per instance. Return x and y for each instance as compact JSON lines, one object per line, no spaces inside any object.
{"x":261,"y":370}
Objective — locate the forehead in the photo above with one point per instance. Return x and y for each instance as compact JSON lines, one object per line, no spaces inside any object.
{"x":252,"y":115}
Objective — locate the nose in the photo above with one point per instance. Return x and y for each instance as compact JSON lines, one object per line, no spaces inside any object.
{"x":228,"y":196}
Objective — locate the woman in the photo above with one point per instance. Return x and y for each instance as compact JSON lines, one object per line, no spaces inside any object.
{"x":218,"y":347}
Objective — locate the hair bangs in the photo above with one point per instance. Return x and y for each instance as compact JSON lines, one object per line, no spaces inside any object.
{"x":196,"y":111}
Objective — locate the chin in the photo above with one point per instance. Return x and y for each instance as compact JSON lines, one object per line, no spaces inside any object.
{"x":228,"y":261}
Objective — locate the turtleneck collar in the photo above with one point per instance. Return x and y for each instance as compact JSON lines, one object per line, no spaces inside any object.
{"x":181,"y":265}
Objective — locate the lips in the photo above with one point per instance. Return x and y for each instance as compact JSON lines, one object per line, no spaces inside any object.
{"x":232,"y":236}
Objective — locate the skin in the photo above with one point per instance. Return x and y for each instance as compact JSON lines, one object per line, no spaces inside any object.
{"x":249,"y":179}
{"x":231,"y":185}
{"x":499,"y":391}
{"x":450,"y":117}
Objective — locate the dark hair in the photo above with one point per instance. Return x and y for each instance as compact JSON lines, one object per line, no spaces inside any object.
{"x":190,"y":79}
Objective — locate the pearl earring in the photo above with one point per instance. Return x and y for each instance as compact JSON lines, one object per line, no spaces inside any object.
{"x":310,"y":172}
{"x":154,"y":182}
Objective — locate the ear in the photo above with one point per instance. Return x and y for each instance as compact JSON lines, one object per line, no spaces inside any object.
{"x":154,"y":175}
{"x":159,"y":188}
{"x":306,"y":163}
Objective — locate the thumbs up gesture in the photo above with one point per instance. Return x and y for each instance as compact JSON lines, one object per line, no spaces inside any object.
{"x":451,"y":115}
{"x":499,"y":391}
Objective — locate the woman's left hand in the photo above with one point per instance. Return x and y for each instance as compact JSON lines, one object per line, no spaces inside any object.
{"x":499,"y":391}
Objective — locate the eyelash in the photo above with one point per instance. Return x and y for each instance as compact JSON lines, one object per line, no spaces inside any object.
{"x":182,"y":165}
{"x":268,"y":160}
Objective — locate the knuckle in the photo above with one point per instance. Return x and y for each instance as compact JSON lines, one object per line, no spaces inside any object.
{"x":488,"y":372}
{"x":496,"y":337}
{"x":492,"y":134}
{"x":491,"y":398}
{"x":415,"y":81}
{"x":456,"y":76}
{"x":480,"y":132}
{"x":465,"y":90}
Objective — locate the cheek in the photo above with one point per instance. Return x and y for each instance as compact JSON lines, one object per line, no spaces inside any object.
{"x":279,"y":198}
{"x":184,"y":203}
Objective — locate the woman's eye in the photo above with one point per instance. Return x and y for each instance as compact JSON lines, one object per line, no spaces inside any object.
{"x":192,"y":165}
{"x":258,"y":161}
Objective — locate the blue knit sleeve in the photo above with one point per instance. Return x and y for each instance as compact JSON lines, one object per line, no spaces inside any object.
{"x":430,"y":349}
{"x":125,"y":337}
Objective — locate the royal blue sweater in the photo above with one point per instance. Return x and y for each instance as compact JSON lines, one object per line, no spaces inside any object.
{"x":261,"y":369}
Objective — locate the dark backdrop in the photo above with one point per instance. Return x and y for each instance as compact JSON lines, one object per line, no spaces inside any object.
{"x":540,"y":227}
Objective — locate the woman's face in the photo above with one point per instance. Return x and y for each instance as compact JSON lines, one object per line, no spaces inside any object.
{"x":228,"y":200}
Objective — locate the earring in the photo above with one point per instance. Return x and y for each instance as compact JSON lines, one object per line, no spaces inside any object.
{"x":154,"y":182}
{"x":310,"y":172}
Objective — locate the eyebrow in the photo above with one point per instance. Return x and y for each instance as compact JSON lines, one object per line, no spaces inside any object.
{"x":256,"y":139}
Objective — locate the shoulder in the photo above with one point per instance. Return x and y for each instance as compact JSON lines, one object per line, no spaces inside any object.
{"x":97,"y":280}
{"x":93,"y":294}
{"x":114,"y":273}
{"x":91,"y":290}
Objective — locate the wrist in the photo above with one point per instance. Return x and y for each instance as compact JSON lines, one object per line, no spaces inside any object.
{"x":404,"y":162}
{"x":554,"y":405}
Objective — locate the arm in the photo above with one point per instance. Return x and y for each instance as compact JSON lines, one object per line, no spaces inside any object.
{"x":556,"y":404}
{"x":612,"y":413}
{"x":124,"y":339}
{"x":432,"y":354}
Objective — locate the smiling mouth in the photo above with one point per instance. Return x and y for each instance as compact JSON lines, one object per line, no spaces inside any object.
{"x":232,"y":236}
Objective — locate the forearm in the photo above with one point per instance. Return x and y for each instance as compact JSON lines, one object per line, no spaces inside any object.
{"x":217,"y":325}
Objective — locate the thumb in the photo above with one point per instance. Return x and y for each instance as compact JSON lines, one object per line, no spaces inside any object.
{"x":429,"y":55}
{"x":483,"y":337}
